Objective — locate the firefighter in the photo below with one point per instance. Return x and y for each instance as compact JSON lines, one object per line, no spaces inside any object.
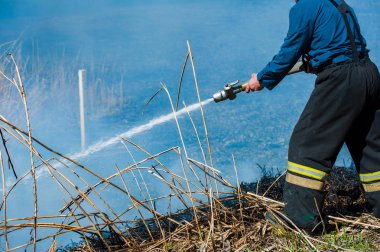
{"x":344,"y":106}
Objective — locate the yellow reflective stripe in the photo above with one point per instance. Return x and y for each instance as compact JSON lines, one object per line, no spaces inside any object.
{"x":307,"y":168}
{"x":372,"y":187}
{"x":306,"y":171}
{"x":304,"y":182}
{"x":369,"y":177}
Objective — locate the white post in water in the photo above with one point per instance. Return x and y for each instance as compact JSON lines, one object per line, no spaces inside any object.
{"x":81,"y":79}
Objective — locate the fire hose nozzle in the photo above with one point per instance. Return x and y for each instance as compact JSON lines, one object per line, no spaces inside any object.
{"x":229,"y":91}
{"x":219,"y":96}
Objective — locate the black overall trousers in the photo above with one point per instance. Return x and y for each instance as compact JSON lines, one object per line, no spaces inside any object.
{"x":343,"y":108}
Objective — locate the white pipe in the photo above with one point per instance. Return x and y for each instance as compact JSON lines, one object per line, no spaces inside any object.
{"x":81,"y":79}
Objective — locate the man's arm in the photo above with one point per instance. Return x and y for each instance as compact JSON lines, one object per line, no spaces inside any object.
{"x":296,"y":43}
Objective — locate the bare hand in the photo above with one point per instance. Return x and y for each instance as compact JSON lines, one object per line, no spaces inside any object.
{"x":253,"y":84}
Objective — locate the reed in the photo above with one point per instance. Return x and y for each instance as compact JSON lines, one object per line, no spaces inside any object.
{"x":211,"y":213}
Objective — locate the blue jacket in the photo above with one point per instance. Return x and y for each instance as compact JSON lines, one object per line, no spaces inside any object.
{"x":317,"y":28}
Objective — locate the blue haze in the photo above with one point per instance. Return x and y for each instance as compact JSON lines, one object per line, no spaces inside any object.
{"x":130,"y":47}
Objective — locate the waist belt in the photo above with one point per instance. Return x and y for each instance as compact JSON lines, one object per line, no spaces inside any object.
{"x":329,"y":64}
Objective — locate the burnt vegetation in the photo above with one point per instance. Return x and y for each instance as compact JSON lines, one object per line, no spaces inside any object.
{"x":199,"y":211}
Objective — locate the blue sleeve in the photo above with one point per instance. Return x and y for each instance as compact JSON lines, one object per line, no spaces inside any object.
{"x":296,"y":43}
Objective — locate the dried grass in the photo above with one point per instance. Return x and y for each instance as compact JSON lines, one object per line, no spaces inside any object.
{"x":216,"y":215}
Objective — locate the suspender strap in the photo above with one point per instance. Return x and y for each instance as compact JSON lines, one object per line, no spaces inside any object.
{"x":343,"y":9}
{"x":357,"y":28}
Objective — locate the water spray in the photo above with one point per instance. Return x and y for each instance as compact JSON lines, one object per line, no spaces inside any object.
{"x":230,"y":90}
{"x":136,"y":130}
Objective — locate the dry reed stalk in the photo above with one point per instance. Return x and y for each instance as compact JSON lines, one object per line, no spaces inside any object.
{"x":151,"y":98}
{"x":138,"y":168}
{"x":53,"y":246}
{"x":182,"y":189}
{"x":104,"y":217}
{"x":117,"y":216}
{"x":159,"y":216}
{"x":178,"y":177}
{"x":239,"y":197}
{"x":83,"y":234}
{"x":13,"y":228}
{"x":229,"y":219}
{"x":201,"y":188}
{"x":356,"y":222}
{"x":176,"y":108}
{"x":67,"y":230}
{"x":14,"y":127}
{"x":20,"y":132}
{"x":298,"y":231}
{"x":20,"y":179}
{"x":257,"y":186}
{"x":106,"y":180}
{"x":47,"y":217}
{"x":5,"y":202}
{"x":154,"y":199}
{"x":16,"y":227}
{"x":196,"y":132}
{"x":180,"y":80}
{"x":222,"y":208}
{"x":274,"y":182}
{"x":202,"y":112}
{"x":162,"y":197}
{"x":172,"y":186}
{"x":51,"y":225}
{"x":136,"y":165}
{"x":87,"y":184}
{"x":152,"y":211}
{"x":199,"y":142}
{"x":165,"y":170}
{"x":97,"y":194}
{"x":9,"y":79}
{"x":134,"y":205}
{"x":266,"y":200}
{"x":211,"y":231}
{"x":61,"y":185}
{"x":320,"y":217}
{"x":339,"y":248}
{"x":186,"y":155}
{"x":77,"y":204}
{"x":20,"y":87}
{"x":180,"y":133}
{"x":206,"y":166}
{"x":10,"y":163}
{"x":216,"y":179}
{"x":81,"y":194}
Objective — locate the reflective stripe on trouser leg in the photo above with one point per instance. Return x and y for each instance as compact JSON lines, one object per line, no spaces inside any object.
{"x":374,"y":187}
{"x":306,"y":171}
{"x":371,"y":181}
{"x":371,"y":185}
{"x":303,"y":194}
{"x":304,"y":182}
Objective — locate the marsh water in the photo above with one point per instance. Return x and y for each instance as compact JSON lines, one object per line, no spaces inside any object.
{"x":129,"y":49}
